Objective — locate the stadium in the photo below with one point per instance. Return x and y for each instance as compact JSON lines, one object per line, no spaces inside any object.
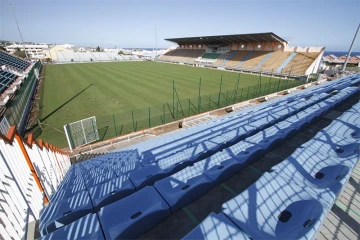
{"x":223,"y":137}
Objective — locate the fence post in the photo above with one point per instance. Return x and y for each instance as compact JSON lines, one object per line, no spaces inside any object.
{"x":247,"y":97}
{"x":199,"y":99}
{"x":189,"y":109}
{"x":114,"y":125}
{"x":149,"y":117}
{"x":237,"y":87}
{"x":164,"y":113}
{"x":242,"y":89}
{"x":133,"y":122}
{"x":173,"y":94}
{"x":219,"y":93}
{"x":209,"y":101}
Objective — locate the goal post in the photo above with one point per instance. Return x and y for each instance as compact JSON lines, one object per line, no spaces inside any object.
{"x":81,"y":132}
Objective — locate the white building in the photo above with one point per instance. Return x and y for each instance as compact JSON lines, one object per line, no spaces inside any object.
{"x":34,"y":51}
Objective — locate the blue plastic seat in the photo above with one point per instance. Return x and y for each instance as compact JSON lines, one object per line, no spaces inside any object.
{"x":98,"y":171}
{"x":325,"y":176}
{"x":68,"y":190}
{"x":128,"y":167}
{"x":61,"y":213}
{"x":216,"y":227}
{"x":351,"y":118}
{"x":220,"y":166}
{"x":325,"y":144}
{"x":266,"y":142}
{"x":272,"y":208}
{"x":147,"y":175}
{"x":246,"y":151}
{"x":85,"y":228}
{"x":100,"y":179}
{"x":183,"y":187}
{"x":111,"y":191}
{"x":134,"y":215}
{"x":184,"y":158}
{"x":71,"y":180}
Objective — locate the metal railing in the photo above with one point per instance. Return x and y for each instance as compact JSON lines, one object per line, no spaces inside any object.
{"x":30,"y":172}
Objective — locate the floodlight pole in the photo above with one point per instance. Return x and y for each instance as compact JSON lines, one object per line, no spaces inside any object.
{"x":22,"y":41}
{"x":350,"y":50}
{"x":155,"y":42}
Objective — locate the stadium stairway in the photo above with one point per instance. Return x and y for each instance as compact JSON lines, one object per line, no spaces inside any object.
{"x":183,"y":166}
{"x":246,"y":58}
{"x":262,"y":61}
{"x":168,"y":54}
{"x":283,"y":65}
{"x":228,"y":58}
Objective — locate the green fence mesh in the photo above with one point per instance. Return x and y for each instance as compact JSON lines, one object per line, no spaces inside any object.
{"x":15,"y":111}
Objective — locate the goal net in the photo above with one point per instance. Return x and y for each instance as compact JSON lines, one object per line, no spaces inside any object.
{"x":81,"y":132}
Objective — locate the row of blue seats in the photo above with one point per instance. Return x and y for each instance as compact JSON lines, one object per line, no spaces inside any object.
{"x":176,"y":183}
{"x":130,"y":162}
{"x":113,"y":184}
{"x":293,"y":199}
{"x":102,"y":195}
{"x":139,"y":178}
{"x":13,"y":61}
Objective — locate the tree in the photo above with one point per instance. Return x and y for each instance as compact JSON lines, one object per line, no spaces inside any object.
{"x":98,"y":49}
{"x":121,"y":52}
{"x":2,"y":48}
{"x":20,"y":54}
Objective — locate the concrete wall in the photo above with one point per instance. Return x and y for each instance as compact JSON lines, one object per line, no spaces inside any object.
{"x":52,"y":53}
{"x":303,"y":49}
{"x":315,"y":65}
{"x":315,"y":49}
{"x":265,"y":46}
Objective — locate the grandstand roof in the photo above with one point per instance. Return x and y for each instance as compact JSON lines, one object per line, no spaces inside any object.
{"x":221,"y":39}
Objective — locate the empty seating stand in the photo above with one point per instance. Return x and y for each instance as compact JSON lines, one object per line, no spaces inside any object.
{"x":6,"y":79}
{"x":7,"y":59}
{"x":283,"y":210}
{"x":134,"y":189}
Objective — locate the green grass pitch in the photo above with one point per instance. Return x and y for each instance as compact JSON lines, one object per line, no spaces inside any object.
{"x":76,"y":91}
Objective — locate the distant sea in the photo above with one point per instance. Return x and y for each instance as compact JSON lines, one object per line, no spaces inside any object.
{"x":147,"y":49}
{"x":339,"y":54}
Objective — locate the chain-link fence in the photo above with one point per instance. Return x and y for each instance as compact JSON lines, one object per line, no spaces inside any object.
{"x":143,"y":118}
{"x":18,"y":109}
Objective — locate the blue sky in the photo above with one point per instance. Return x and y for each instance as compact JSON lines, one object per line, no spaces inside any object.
{"x":132,"y":23}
